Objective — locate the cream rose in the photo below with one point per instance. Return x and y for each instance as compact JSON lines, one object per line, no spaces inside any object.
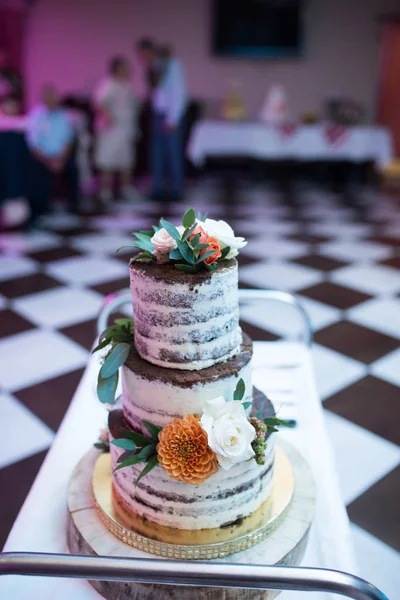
{"x":228,"y":430}
{"x":163,"y":244}
{"x":225,"y":236}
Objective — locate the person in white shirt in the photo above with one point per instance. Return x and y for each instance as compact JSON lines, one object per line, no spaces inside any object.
{"x":116,"y":109}
{"x":168,"y":103}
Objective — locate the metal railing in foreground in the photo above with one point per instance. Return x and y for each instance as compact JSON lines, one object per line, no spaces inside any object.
{"x":203,"y":574}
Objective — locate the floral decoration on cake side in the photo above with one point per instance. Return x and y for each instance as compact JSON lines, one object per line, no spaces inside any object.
{"x":199,"y":243}
{"x":192,"y":448}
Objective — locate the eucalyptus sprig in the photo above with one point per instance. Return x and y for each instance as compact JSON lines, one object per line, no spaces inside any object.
{"x":138,"y":449}
{"x":120,"y":337}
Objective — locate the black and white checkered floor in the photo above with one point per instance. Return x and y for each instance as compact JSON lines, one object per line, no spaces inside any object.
{"x":341,"y":255}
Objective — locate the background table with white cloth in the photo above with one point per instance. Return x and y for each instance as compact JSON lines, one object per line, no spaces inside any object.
{"x":290,"y":142}
{"x":282,"y":370}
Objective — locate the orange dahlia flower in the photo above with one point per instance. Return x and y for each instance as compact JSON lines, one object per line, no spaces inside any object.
{"x":184,"y":453}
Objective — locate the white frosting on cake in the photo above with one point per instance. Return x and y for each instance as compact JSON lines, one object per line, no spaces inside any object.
{"x":223,"y":498}
{"x":160,"y":401}
{"x":188,"y":324}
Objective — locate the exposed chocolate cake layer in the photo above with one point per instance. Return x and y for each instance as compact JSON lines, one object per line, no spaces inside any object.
{"x":187,"y":379}
{"x":171,"y":275}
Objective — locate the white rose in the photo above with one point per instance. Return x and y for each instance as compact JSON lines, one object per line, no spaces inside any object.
{"x":228,"y":430}
{"x":163,"y":244}
{"x":225,"y":236}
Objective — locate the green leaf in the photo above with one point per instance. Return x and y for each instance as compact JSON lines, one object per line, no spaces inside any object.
{"x":102,"y":345}
{"x":148,"y":451}
{"x":145,"y":244}
{"x":124,"y":443}
{"x":107,"y":332}
{"x":127,"y":454}
{"x":188,"y":232}
{"x":204,"y":256}
{"x":133,"y":460}
{"x":154,"y":430}
{"x":275,"y":422}
{"x":153,"y":462}
{"x":213,"y":267}
{"x":201,"y":217}
{"x":155,"y":228}
{"x":138,"y":438}
{"x":186,"y":268}
{"x":106,"y":388}
{"x":122,"y":338}
{"x":246,"y":405}
{"x":240,"y":390}
{"x":272,"y":429}
{"x":101,"y":446}
{"x":143,"y":254}
{"x":175,"y":254}
{"x":259,"y":414}
{"x":148,"y":232}
{"x":189,"y":218}
{"x":144,"y":237}
{"x":143,"y":455}
{"x":195,"y":240}
{"x":171,"y":229}
{"x":122,"y":247}
{"x":224,"y":252}
{"x":201,"y":246}
{"x":186,"y":252}
{"x":115,"y":360}
{"x":124,"y":321}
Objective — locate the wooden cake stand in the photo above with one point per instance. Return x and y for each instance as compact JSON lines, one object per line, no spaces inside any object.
{"x":285,"y":545}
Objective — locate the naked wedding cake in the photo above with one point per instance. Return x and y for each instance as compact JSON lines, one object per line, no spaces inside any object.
{"x":191,"y":464}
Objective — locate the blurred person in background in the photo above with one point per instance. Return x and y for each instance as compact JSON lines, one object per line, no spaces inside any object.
{"x":11,"y":87}
{"x":168,"y":98}
{"x":51,"y":138}
{"x":116,"y":108}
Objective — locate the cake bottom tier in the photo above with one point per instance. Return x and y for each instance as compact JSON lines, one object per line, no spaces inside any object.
{"x":190,"y":537}
{"x":226,"y":500}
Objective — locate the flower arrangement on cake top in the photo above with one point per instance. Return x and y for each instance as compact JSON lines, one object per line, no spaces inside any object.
{"x":192,"y":448}
{"x":199,"y":243}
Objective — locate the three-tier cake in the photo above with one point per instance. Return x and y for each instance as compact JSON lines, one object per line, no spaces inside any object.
{"x":190,"y":463}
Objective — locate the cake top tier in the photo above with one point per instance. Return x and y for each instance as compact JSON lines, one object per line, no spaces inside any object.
{"x":186,"y":321}
{"x":184,"y":285}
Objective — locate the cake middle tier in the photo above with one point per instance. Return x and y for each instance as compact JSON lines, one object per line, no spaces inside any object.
{"x":185,"y":321}
{"x":158,"y":395}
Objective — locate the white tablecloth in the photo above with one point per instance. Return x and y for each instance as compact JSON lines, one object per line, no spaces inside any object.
{"x":307,"y":142}
{"x":281,"y":369}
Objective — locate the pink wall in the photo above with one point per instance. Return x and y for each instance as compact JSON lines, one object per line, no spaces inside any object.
{"x":69,"y":42}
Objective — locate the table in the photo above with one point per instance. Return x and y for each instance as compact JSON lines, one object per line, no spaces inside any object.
{"x":283,"y":370}
{"x":304,"y":142}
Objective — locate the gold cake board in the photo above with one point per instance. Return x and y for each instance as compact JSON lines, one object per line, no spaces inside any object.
{"x":283,"y":542}
{"x":170,"y":542}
